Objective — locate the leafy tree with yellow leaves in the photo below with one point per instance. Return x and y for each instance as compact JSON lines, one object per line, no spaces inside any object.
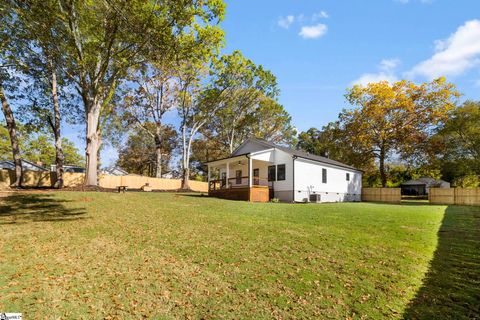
{"x":395,"y":119}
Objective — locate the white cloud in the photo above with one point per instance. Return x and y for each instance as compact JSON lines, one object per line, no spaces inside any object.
{"x":313,"y":32}
{"x":320,"y":15}
{"x":389,"y":64}
{"x":386,"y":73}
{"x":285,"y":22}
{"x":453,"y":56}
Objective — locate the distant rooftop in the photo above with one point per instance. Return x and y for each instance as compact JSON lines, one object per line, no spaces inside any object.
{"x":26,"y":165}
{"x":426,"y":181}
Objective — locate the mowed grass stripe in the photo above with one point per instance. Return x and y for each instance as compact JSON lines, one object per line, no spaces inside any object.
{"x":162,"y":255}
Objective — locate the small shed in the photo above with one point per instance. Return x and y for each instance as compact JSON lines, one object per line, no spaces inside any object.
{"x":420,"y":187}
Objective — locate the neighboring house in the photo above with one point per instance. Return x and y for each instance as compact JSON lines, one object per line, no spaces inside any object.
{"x":26,"y":165}
{"x":259,"y":170}
{"x":115,"y":171}
{"x":421,"y":186}
{"x":68,"y":168}
{"x":174,"y":174}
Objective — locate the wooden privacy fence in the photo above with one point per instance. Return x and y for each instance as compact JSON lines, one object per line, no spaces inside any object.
{"x":392,"y":195}
{"x":30,"y":178}
{"x":136,"y":182}
{"x":460,"y":196}
{"x":47,"y":179}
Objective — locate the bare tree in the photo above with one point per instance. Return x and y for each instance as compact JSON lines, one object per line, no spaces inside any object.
{"x":151,"y":98}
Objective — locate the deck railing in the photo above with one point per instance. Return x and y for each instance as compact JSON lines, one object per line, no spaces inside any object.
{"x":237,"y":182}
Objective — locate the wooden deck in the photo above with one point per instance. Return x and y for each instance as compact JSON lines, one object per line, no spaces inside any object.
{"x":253,"y":194}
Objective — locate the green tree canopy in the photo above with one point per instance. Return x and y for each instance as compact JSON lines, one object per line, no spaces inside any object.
{"x":455,"y":147}
{"x":99,"y":41}
{"x":138,"y":155}
{"x":395,"y":118}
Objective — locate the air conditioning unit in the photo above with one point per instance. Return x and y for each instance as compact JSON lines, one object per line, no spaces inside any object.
{"x":315,"y":198}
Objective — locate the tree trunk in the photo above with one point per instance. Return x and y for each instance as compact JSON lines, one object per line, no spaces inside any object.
{"x":59,"y":157}
{"x":383,"y":175}
{"x":185,"y":160}
{"x":186,"y":178}
{"x":93,"y":144}
{"x":12,"y":131}
{"x":232,"y":137}
{"x":158,"y":152}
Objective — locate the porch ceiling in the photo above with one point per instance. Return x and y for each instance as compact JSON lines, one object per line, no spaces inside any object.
{"x":223,"y":162}
{"x":240,"y":160}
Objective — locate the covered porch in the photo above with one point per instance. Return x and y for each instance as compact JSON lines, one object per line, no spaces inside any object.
{"x":243,"y":177}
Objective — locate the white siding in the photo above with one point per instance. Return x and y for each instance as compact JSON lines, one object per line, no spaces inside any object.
{"x":234,"y":166}
{"x":283,"y":190}
{"x":262,"y":167}
{"x":308,"y":180}
{"x":256,"y":164}
{"x":267,"y":155}
{"x":249,"y":147}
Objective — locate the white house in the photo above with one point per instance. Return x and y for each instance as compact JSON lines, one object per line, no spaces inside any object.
{"x":259,"y":170}
{"x":115,"y":171}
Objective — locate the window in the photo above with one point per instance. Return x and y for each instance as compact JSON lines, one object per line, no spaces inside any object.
{"x":281,"y":172}
{"x":348,"y":176}
{"x":272,"y":172}
{"x":256,"y":177}
{"x":324,"y":175}
{"x":238,"y":177}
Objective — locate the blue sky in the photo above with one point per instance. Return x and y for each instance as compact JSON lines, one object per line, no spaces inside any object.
{"x":318,"y":48}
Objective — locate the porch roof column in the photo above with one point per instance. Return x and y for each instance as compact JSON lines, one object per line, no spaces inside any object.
{"x":250,"y":165}
{"x":227,"y":173}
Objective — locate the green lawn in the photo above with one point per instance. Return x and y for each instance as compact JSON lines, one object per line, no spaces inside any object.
{"x":159,"y":255}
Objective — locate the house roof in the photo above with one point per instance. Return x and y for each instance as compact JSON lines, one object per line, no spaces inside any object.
{"x":7,"y":164}
{"x":297,"y":153}
{"x":116,"y":171}
{"x":26,"y":165}
{"x":426,"y":181}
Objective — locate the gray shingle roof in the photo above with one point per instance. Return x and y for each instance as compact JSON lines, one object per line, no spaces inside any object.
{"x":429,"y":182}
{"x":26,"y":165}
{"x":302,"y":154}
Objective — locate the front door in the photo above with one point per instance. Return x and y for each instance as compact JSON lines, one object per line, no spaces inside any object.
{"x":238,"y":177}
{"x":256,"y":177}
